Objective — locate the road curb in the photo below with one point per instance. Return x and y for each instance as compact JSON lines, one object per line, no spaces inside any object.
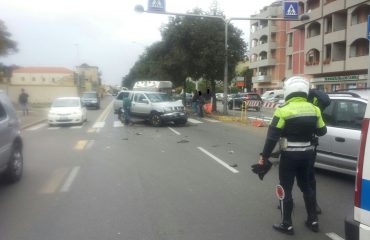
{"x":33,"y":123}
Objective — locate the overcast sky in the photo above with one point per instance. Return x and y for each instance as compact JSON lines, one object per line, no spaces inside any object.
{"x":108,"y":34}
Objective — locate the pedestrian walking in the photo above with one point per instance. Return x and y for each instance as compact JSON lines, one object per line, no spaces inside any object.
{"x":200,"y":104}
{"x":194,"y":102}
{"x":293,"y":126}
{"x":23,"y":101}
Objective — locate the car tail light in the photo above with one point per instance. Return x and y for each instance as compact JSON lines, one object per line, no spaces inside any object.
{"x":360,"y":163}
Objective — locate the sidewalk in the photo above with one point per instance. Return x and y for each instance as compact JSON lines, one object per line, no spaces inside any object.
{"x":35,"y":116}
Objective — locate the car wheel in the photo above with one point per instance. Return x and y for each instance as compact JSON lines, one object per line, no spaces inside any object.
{"x":156,"y":120}
{"x":14,"y":170}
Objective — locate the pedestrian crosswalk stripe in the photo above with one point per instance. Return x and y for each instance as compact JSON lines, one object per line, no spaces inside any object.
{"x":36,"y":127}
{"x":211,"y":120}
{"x":194,"y":120}
{"x":117,"y":124}
{"x":74,"y":127}
{"x":99,"y":125}
{"x":53,"y":128}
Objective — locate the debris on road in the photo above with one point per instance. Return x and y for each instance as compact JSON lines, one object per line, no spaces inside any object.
{"x":233,"y":165}
{"x":183,"y":141}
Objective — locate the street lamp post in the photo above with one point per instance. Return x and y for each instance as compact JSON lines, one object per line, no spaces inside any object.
{"x":140,"y":9}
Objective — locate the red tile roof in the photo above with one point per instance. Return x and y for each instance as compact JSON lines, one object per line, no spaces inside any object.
{"x":42,"y":70}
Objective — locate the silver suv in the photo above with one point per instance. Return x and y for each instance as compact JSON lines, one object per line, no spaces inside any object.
{"x":157,"y":108}
{"x":338,"y":149}
{"x":11,"y":158}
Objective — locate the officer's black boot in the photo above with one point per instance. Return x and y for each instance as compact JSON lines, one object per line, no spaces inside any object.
{"x":286,"y":225}
{"x":317,"y":207}
{"x":312,"y":220}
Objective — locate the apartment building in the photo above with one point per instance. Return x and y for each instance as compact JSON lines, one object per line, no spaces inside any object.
{"x":267,"y":48}
{"x":88,"y":77}
{"x":331,"y":48}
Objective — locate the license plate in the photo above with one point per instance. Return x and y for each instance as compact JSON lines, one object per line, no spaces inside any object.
{"x":63,"y":119}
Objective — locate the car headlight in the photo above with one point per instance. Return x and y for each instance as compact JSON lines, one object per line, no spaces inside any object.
{"x":167,"y":109}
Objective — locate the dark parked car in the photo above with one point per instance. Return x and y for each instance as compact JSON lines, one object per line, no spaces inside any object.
{"x":91,"y":99}
{"x":238,"y":100}
{"x":11,"y":158}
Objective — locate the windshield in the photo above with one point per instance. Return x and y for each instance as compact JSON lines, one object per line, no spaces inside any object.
{"x":158,"y":97}
{"x":66,"y":103}
{"x":89,"y":95}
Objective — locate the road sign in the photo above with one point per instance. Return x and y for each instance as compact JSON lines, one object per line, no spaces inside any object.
{"x":280,"y":193}
{"x":291,"y":10}
{"x":368,"y":27}
{"x":156,"y":5}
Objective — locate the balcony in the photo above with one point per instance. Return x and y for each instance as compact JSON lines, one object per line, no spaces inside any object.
{"x":353,"y":3}
{"x":333,"y":66}
{"x":333,"y":7}
{"x":356,"y":31}
{"x":261,"y":79}
{"x":357,"y":63}
{"x":315,"y":14}
{"x":313,"y":42}
{"x":312,"y":69}
{"x":263,"y":63}
{"x":335,"y":36}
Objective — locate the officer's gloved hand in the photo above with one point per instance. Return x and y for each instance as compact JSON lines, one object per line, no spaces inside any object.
{"x":261,"y":168}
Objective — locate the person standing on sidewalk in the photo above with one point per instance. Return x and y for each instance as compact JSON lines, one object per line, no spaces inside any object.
{"x":23,"y":101}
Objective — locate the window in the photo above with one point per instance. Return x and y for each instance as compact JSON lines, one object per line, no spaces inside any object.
{"x":351,"y":86}
{"x":312,"y":57}
{"x":335,"y":87}
{"x":313,"y":30}
{"x":359,"y":48}
{"x":329,"y":24}
{"x":327,"y":54}
{"x":139,"y":97}
{"x":290,"y":62}
{"x":360,"y":14}
{"x":290,"y":39}
{"x":349,"y":114}
{"x":2,"y":113}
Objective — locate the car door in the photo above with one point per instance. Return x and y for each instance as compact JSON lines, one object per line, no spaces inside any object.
{"x":344,"y":132}
{"x":140,"y":105}
{"x":118,"y":101}
{"x":5,"y":135}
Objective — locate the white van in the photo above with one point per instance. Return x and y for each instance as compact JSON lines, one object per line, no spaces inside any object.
{"x":358,"y":227}
{"x":153,"y":86}
{"x":273,"y":95}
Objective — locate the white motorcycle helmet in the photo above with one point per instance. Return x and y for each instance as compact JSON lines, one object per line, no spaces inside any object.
{"x":295,"y":85}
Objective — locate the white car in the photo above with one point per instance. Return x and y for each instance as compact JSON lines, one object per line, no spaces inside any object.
{"x":67,"y":110}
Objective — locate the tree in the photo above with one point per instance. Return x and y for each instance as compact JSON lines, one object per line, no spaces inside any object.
{"x":192,"y":47}
{"x":7,"y":46}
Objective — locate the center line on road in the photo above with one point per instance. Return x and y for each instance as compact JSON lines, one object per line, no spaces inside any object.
{"x":173,"y":130}
{"x":334,"y":236}
{"x":54,"y":181}
{"x":99,"y":125}
{"x":71,"y":177}
{"x":218,"y":160}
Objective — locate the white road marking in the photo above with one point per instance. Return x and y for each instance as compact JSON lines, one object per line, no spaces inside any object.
{"x":36,"y":127}
{"x":53,"y":128}
{"x":194,"y":120}
{"x":218,"y":160}
{"x":98,"y":130}
{"x":117,"y":124}
{"x":90,"y":143}
{"x":99,"y":125}
{"x":71,"y":177}
{"x":173,"y":130}
{"x":211,"y":120}
{"x":334,"y":236}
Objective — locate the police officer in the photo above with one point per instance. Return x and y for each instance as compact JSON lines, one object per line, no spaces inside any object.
{"x":293,"y":125}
